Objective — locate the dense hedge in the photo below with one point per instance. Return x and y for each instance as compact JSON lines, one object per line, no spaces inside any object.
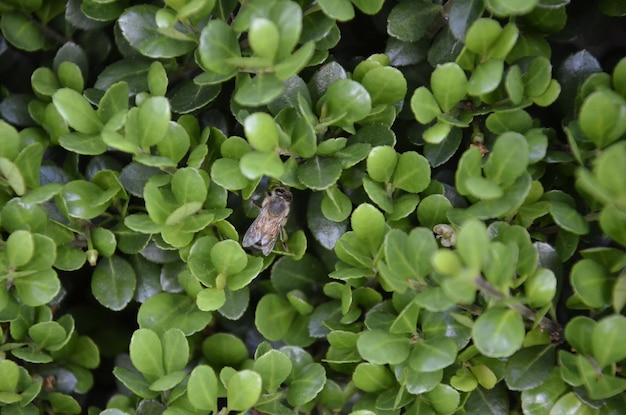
{"x":456,"y":236}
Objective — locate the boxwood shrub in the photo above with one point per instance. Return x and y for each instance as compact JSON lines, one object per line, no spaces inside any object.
{"x":455,"y":242}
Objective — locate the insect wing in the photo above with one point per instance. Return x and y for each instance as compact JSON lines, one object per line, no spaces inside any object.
{"x":253,"y":234}
{"x":263,"y":232}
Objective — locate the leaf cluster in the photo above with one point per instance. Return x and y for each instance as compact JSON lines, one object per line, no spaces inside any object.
{"x":456,"y":243}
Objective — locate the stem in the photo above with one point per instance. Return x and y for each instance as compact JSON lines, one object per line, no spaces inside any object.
{"x":554,"y":329}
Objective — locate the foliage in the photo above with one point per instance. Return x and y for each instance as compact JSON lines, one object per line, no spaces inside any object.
{"x":456,"y":242}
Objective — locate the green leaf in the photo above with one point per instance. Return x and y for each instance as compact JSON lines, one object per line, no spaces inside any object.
{"x":538,"y":76}
{"x":12,"y":175}
{"x":432,"y":210}
{"x":261,"y":131}
{"x":226,"y":173}
{"x":303,"y":139}
{"x":604,"y":170}
{"x":168,"y":381}
{"x":164,"y":311}
{"x":243,"y":390}
{"x":202,"y":388}
{"x":483,"y":33}
{"x":325,"y":231}
{"x":512,"y":120}
{"x":546,"y":394}
{"x":21,"y":31}
{"x":211,"y":299}
{"x":472,"y":240}
{"x":274,"y":368}
{"x":319,"y":173}
{"x":76,"y":111}
{"x":529,"y":367}
{"x":346,"y":100}
{"x":424,"y":106}
{"x":188,"y":186}
{"x":70,"y":76}
{"x":38,"y":288}
{"x":10,"y":376}
{"x":153,"y":121}
{"x":380,"y":347}
{"x":368,"y":6}
{"x":274,"y":317}
{"x":514,"y":84}
{"x":410,"y":23}
{"x":449,"y":85}
{"x":430,"y":355}
{"x":218,"y":44}
{"x":336,"y":205}
{"x":613,"y":223}
{"x":619,"y":76}
{"x":256,"y":164}
{"x":498,"y":332}
{"x":293,"y":64}
{"x":508,"y":159}
{"x":602,"y":118}
{"x":146,"y":353}
{"x":510,"y":7}
{"x":591,"y":282}
{"x":482,"y":188}
{"x":175,"y":351}
{"x":257,"y":91}
{"x":341,"y":10}
{"x":505,"y":42}
{"x":443,"y":398}
{"x":412,"y":172}
{"x":113,"y":282}
{"x":541,"y":287}
{"x":381,"y":163}
{"x":228,"y":257}
{"x":386,"y":85}
{"x":568,"y":218}
{"x":20,"y":247}
{"x":372,"y":378}
{"x":264,"y":38}
{"x":91,"y":145}
{"x":368,"y":223}
{"x":607,"y":339}
{"x":224,"y":349}
{"x":135,"y":382}
{"x":470,"y":165}
{"x":307,"y":384}
{"x":47,"y":334}
{"x":64,"y":403}
{"x":486,"y":77}
{"x":138,"y":25}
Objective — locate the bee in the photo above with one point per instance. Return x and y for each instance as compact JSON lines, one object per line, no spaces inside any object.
{"x":262,"y":234}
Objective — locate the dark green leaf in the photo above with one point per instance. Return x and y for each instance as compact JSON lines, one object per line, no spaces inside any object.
{"x":139,"y":27}
{"x":274,"y":317}
{"x":21,"y":31}
{"x":113,"y":282}
{"x":498,"y":332}
{"x":410,"y":22}
{"x":319,"y":173}
{"x":529,"y":367}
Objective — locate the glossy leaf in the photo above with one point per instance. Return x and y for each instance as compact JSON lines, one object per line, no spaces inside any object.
{"x":243,"y":390}
{"x":379,"y":347}
{"x":449,"y":85}
{"x":113,"y":283}
{"x":498,"y":332}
